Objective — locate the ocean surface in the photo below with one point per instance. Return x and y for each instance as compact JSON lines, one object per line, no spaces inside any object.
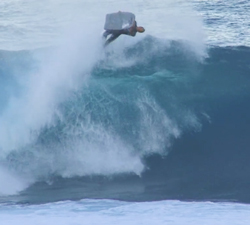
{"x":153,"y":129}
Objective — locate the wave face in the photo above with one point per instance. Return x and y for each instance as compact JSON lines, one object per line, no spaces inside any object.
{"x":153,"y":121}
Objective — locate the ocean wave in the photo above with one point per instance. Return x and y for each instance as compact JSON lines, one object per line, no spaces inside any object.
{"x":151,"y":120}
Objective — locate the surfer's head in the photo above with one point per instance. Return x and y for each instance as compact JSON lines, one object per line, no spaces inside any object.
{"x":140,"y":29}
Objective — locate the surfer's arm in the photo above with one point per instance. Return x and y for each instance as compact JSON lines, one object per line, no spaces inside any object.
{"x":132,"y":30}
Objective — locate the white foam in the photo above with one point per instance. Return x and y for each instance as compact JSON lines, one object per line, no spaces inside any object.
{"x":115,"y":212}
{"x":11,"y":183}
{"x":61,"y":73}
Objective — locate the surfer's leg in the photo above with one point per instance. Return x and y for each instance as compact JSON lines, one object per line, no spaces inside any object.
{"x":111,"y":38}
{"x":106,"y":34}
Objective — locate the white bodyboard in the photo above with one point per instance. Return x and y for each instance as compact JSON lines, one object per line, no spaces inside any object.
{"x":119,"y":20}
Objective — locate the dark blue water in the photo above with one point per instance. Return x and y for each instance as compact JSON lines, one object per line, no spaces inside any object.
{"x":186,"y":119}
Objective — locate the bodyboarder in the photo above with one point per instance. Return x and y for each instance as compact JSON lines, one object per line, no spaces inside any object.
{"x":120,"y":23}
